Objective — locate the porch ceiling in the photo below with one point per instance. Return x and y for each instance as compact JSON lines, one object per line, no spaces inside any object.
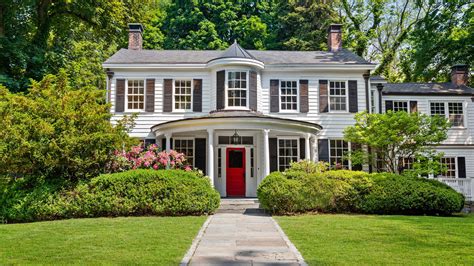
{"x":235,"y":120}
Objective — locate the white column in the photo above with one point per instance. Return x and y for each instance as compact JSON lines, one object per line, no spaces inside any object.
{"x":168,"y":146}
{"x":266,"y":152}
{"x":210,"y":155}
{"x":307,"y":151}
{"x":168,"y":142}
{"x":314,"y":147}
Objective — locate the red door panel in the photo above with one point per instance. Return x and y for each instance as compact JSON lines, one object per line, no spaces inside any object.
{"x":235,"y":172}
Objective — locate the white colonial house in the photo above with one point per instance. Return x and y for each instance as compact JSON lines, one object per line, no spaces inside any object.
{"x":240,"y":114}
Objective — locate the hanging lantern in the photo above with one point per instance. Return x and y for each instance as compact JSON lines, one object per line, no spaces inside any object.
{"x":235,"y":138}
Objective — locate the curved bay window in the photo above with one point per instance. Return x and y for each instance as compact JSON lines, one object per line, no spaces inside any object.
{"x":237,"y":89}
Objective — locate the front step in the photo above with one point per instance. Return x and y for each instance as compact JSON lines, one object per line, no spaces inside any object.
{"x":239,"y":205}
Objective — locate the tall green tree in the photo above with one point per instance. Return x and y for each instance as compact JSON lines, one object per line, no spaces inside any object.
{"x":35,"y":36}
{"x":395,"y":135}
{"x":303,"y":25}
{"x":443,"y":38}
{"x":57,"y":131}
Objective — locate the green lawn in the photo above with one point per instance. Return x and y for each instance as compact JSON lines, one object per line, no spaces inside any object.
{"x":380,"y":240}
{"x":134,"y":240}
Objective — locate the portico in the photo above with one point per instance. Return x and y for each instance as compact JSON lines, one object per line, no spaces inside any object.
{"x":236,"y":149}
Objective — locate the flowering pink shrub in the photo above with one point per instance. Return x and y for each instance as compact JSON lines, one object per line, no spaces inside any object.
{"x":150,"y":158}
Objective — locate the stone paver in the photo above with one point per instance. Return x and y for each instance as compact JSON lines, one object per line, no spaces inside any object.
{"x":243,"y":239}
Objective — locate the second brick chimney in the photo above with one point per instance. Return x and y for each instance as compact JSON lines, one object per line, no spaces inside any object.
{"x":459,"y":74}
{"x":135,"y":39}
{"x":335,"y":37}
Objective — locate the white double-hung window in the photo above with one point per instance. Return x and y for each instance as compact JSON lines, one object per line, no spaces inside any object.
{"x":288,"y":95}
{"x":337,"y":152}
{"x":185,"y":146}
{"x":338,"y":96}
{"x":450,"y":164}
{"x":453,"y":111}
{"x":288,"y":151}
{"x":135,"y":94}
{"x":400,"y":106}
{"x":237,"y":87}
{"x":182,"y":94}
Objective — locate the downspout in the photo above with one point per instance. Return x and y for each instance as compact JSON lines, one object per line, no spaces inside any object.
{"x":367,"y":92}
{"x":380,"y":88}
{"x":367,"y":106}
{"x":110,"y":75}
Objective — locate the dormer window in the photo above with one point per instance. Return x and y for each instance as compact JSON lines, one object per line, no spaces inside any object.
{"x":237,"y":87}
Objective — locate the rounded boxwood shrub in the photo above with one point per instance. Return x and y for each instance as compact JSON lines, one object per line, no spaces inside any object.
{"x":357,"y":192}
{"x":395,"y":194}
{"x":131,"y":193}
{"x":280,"y":193}
{"x":299,"y":191}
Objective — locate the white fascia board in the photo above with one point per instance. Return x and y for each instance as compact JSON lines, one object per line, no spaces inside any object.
{"x":158,"y":66}
{"x":298,"y":67}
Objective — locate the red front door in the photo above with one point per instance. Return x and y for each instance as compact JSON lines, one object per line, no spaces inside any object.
{"x":235,"y":171}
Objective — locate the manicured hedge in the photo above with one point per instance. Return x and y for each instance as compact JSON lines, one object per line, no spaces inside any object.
{"x":136,"y":192}
{"x":394,"y":194}
{"x":357,"y":192}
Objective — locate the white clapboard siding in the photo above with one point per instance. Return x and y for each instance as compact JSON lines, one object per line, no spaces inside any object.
{"x":455,"y":135}
{"x":333,"y":123}
{"x":467,"y":152}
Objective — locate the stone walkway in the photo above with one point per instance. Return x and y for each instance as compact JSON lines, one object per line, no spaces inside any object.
{"x":242,"y":239}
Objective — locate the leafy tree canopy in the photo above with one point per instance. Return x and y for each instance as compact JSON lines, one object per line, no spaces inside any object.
{"x":395,"y":135}
{"x":57,"y":131}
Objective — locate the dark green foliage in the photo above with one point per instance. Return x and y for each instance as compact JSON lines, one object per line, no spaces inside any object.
{"x":394,"y":194}
{"x":357,"y":192}
{"x":280,"y":193}
{"x":131,"y":193}
{"x":57,"y":131}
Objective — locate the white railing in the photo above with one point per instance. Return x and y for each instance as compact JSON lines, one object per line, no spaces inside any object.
{"x":464,"y":186}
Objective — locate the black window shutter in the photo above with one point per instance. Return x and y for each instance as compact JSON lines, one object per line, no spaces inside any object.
{"x":163,"y":144}
{"x":150,"y":95}
{"x":220,"y":87}
{"x":388,"y":106}
{"x":413,"y":106}
{"x":167,"y":95}
{"x":302,"y":149}
{"x":462,"y":167}
{"x":353,"y":106}
{"x":120,"y":96}
{"x":274,"y":95}
{"x":200,"y":154}
{"x":197,"y":95}
{"x":273,"y":146}
{"x":356,"y":147}
{"x":253,"y":90}
{"x":323,"y":96}
{"x":304,"y":101}
{"x":323,"y":150}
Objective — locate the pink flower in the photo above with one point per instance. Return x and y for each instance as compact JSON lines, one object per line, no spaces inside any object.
{"x":187,"y":168}
{"x":155,"y":166}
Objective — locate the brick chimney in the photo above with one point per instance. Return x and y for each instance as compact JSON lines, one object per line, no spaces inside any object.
{"x":135,"y":39}
{"x":335,"y":37}
{"x":460,"y":74}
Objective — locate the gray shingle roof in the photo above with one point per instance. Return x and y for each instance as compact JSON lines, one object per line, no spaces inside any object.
{"x":125,"y":56}
{"x":236,"y":51}
{"x":239,"y":115}
{"x":446,"y":88}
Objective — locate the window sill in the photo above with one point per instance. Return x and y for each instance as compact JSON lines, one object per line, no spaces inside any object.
{"x":182,"y":111}
{"x":289,"y":112}
{"x":458,"y":128}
